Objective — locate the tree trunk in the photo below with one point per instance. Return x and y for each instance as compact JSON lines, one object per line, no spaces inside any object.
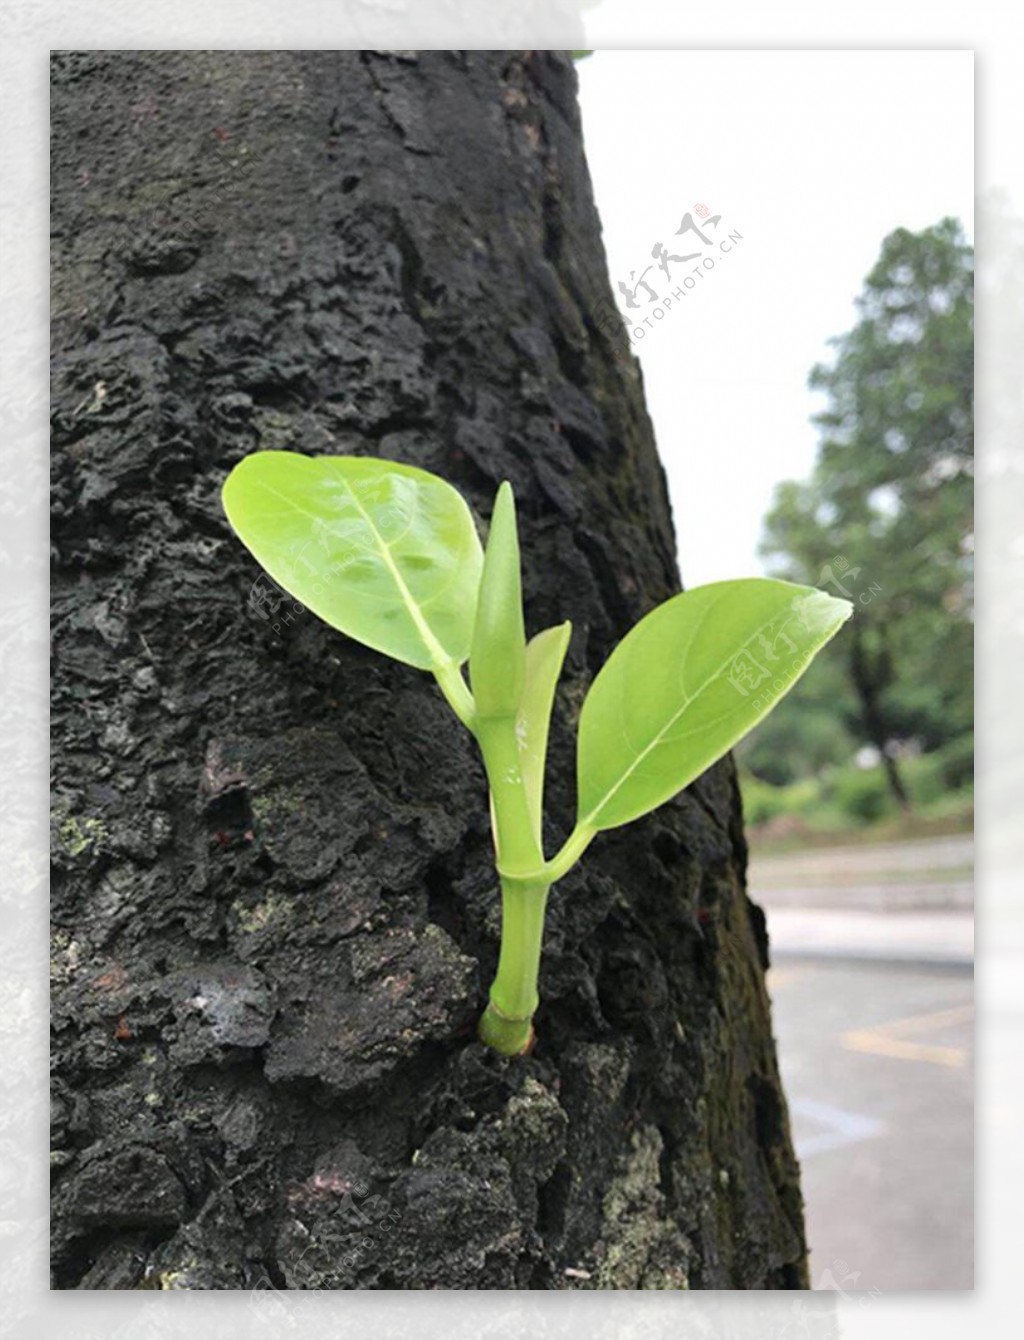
{"x":895,"y":780}
{"x":275,"y":913}
{"x":870,"y":679}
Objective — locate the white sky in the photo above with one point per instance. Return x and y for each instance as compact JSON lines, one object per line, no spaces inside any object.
{"x":814,"y":156}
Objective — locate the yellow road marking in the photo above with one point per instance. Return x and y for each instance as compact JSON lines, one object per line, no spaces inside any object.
{"x":924,"y":1023}
{"x":890,"y":1039}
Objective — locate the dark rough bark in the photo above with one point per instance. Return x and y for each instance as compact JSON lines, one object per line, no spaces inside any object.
{"x":275,"y":915}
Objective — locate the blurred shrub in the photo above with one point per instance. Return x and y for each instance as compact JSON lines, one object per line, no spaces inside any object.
{"x":923,"y":778}
{"x":956,"y":763}
{"x":862,"y":794}
{"x":763,"y":802}
{"x":845,"y":798}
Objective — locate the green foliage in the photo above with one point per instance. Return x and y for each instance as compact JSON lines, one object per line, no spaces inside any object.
{"x":679,"y":690}
{"x":763,"y":802}
{"x":842,"y":801}
{"x":887,"y":516}
{"x":386,"y":553}
{"x":497,"y":660}
{"x":956,"y":763}
{"x":808,"y":732}
{"x":389,"y":555}
{"x":862,"y":794}
{"x":545,"y":655}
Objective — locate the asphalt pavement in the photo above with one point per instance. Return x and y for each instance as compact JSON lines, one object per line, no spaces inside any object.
{"x":872,"y":989}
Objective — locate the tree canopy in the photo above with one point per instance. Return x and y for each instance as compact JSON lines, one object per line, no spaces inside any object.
{"x":886,"y":518}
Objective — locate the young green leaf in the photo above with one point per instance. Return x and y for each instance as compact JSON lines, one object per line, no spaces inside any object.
{"x":384,"y":552}
{"x":497,"y":661}
{"x":544,"y":656}
{"x":686,"y":683}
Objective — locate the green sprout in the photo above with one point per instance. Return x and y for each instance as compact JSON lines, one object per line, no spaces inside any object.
{"x":389,"y":555}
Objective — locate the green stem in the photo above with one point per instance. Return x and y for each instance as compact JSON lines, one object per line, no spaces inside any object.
{"x":507,"y":1024}
{"x":573,"y":848}
{"x":456,"y":692}
{"x":518,"y":850}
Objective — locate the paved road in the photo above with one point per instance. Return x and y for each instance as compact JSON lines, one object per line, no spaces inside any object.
{"x":873,"y":1010}
{"x":877,"y":1065}
{"x":925,"y":873}
{"x":915,"y":937}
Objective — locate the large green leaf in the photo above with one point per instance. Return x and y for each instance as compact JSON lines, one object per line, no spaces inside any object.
{"x":686,"y":683}
{"x":386,"y":553}
{"x":544,"y":656}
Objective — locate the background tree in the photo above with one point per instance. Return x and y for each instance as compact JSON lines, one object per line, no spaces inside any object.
{"x":887,"y":516}
{"x":274,"y":906}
